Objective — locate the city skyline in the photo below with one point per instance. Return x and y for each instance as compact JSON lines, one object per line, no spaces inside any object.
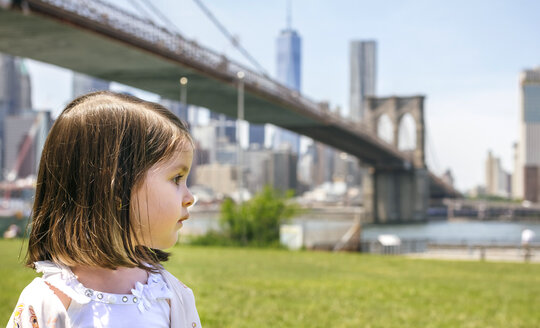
{"x":465,"y":57}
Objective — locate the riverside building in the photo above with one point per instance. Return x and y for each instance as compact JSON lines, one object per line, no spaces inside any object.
{"x":527,"y":168}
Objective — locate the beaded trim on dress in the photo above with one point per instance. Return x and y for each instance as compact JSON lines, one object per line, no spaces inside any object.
{"x":143,"y":295}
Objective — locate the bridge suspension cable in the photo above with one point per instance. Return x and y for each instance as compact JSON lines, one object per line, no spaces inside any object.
{"x":140,"y":9}
{"x":161,"y":16}
{"x":234,"y":41}
{"x":431,"y":151}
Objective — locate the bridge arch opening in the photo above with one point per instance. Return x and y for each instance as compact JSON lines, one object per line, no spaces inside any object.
{"x":407,"y":133}
{"x":385,"y":129}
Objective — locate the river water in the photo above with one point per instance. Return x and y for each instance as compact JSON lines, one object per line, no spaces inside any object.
{"x":463,"y":232}
{"x":328,"y":230}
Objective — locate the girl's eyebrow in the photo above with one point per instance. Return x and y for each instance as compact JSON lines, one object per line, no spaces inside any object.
{"x":179,"y":167}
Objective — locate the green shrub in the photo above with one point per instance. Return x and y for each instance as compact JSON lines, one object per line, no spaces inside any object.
{"x":212,"y":238}
{"x":255,"y":222}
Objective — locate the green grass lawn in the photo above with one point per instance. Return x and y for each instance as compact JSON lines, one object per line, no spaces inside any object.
{"x":276,"y":288}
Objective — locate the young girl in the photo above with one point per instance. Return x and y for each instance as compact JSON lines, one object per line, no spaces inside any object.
{"x":111,"y":195}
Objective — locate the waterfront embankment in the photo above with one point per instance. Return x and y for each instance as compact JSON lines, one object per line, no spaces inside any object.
{"x":501,"y":253}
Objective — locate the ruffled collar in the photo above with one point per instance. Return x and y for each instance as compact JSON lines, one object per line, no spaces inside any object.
{"x":143,"y":295}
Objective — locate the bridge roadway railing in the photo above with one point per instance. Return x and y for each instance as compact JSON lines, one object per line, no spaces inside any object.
{"x":122,"y":21}
{"x":118,"y":23}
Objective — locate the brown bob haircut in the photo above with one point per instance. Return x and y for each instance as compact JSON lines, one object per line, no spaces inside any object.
{"x":98,"y":150}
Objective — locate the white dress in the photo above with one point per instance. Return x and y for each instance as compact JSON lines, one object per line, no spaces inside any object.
{"x":146,"y":306}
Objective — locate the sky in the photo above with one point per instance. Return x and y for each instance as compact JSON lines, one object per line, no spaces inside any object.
{"x":465,"y":57}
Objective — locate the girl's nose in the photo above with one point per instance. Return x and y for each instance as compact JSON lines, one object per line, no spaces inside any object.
{"x":188,"y":199}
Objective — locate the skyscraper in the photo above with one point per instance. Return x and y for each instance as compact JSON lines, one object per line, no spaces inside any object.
{"x":527,"y":171}
{"x":289,"y":73}
{"x":363,"y":74}
{"x":84,"y":84}
{"x":15,"y":88}
{"x":256,"y":135}
{"x":176,"y":107}
{"x":282,"y":166}
{"x":25,"y":87}
{"x":496,"y":177}
{"x":289,"y":58}
{"x":226,"y":126}
{"x":15,"y":95}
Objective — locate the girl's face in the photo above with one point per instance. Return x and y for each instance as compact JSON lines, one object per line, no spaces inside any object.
{"x":160,"y":203}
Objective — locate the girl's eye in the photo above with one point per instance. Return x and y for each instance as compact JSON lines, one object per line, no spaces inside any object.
{"x":177,"y":179}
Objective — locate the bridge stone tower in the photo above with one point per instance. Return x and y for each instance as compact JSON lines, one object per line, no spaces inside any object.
{"x":397,"y":192}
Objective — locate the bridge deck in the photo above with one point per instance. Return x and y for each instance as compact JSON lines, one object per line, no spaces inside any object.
{"x":104,"y":42}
